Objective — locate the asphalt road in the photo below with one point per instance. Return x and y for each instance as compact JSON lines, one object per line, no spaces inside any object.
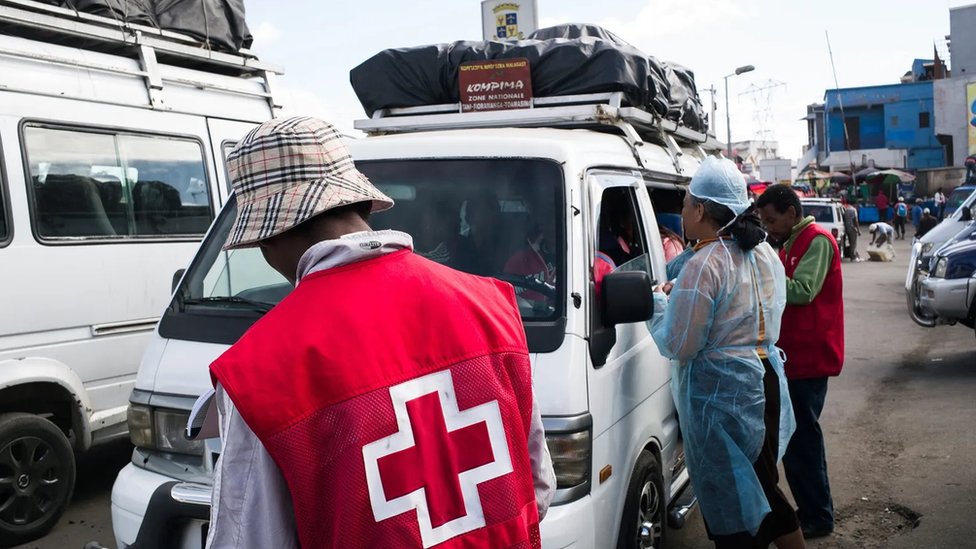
{"x":899,"y":424}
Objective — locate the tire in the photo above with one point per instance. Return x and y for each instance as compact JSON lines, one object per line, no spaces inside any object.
{"x":37,"y":477}
{"x":645,"y":506}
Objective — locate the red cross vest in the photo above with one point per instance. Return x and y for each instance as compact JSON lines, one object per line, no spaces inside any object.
{"x":812,"y":336}
{"x":395,"y":395}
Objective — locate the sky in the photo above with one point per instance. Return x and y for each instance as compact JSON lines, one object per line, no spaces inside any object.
{"x":873,"y":42}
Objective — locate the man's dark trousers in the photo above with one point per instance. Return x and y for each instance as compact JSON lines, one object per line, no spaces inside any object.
{"x":805,"y":460}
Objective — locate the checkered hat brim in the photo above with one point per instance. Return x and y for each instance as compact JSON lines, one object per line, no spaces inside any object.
{"x":285,"y":172}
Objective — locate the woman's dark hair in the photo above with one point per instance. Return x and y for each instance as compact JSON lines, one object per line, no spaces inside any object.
{"x":746,"y":228}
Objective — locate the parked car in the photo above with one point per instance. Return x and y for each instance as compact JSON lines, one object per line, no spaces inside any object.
{"x":948,"y":294}
{"x":829,"y":213}
{"x":111,"y":171}
{"x":602,"y":386}
{"x":952,"y":229}
{"x":957,"y":197}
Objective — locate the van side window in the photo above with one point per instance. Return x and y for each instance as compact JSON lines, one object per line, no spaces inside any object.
{"x":620,"y":241}
{"x":4,"y":231}
{"x":109,"y":186}
{"x":226,"y":147}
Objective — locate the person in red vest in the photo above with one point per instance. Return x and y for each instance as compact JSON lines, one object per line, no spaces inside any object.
{"x":387,"y":401}
{"x":813,"y":339}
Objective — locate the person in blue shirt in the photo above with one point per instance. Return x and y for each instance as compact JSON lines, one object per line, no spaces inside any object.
{"x":900,"y":217}
{"x":917,"y":214}
{"x":720,"y":321}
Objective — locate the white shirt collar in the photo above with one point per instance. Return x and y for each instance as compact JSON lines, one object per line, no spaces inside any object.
{"x":351,"y":248}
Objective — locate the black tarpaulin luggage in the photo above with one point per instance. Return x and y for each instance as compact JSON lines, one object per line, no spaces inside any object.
{"x":428,"y":75}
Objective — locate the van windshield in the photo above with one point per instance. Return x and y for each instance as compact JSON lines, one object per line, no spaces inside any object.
{"x":491,"y":217}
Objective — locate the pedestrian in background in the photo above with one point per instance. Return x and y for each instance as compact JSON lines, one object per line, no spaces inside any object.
{"x":881,"y":234}
{"x":325,"y":403}
{"x":927,"y":223}
{"x":852,"y":230}
{"x":901,"y":216}
{"x":917,"y":214}
{"x":881,"y":202}
{"x":721,"y":321}
{"x":813,"y":339}
{"x":940,"y":203}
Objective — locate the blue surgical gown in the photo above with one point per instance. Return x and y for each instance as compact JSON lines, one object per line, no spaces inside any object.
{"x":710,"y":326}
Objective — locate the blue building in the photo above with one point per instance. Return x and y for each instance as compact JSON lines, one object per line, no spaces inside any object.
{"x":889,"y":126}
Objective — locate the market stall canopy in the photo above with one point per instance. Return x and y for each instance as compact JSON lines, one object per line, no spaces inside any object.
{"x":903,"y":177}
{"x":820,"y":179}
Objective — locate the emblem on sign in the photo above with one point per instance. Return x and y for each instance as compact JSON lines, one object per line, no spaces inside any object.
{"x":506,"y":21}
{"x":436,"y":459}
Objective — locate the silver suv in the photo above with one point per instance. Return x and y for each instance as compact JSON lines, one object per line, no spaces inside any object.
{"x":948,"y":294}
{"x":952,"y":229}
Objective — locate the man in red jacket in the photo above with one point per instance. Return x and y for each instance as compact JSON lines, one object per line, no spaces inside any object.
{"x":387,"y":401}
{"x":812,"y":336}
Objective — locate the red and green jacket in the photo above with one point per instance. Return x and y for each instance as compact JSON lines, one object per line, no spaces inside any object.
{"x":812,"y":334}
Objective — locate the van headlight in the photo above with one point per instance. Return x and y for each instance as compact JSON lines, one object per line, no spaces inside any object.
{"x":570,"y":442}
{"x":161,"y":429}
{"x":940,"y":267}
{"x":140,"y":425}
{"x":927,"y":247}
{"x":570,"y":454}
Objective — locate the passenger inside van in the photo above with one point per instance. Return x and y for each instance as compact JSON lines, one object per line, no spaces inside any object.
{"x":479,"y":250}
{"x":618,"y":228}
{"x":436,"y":238}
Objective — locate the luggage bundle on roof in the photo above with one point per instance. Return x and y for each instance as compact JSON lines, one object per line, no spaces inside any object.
{"x":566,"y":60}
{"x":217,"y":24}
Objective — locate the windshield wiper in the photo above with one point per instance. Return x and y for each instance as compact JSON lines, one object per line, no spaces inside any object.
{"x":257,"y":306}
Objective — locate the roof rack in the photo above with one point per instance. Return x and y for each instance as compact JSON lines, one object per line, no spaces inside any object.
{"x":597,"y":110}
{"x":40,"y":21}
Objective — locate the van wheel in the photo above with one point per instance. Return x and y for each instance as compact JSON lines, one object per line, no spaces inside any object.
{"x":37,"y":477}
{"x":643,"y":523}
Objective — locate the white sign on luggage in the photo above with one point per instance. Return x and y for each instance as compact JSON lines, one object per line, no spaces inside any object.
{"x":509,"y":20}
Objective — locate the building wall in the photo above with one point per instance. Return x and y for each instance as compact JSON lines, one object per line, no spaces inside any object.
{"x":889,"y":119}
{"x":962,"y":21}
{"x":952,"y":113}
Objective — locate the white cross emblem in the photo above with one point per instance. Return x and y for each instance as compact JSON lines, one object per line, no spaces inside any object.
{"x":436,"y":459}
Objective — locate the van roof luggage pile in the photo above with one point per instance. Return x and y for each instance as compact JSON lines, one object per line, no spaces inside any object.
{"x":217,"y":24}
{"x":582,"y":76}
{"x":565,"y":60}
{"x":103,"y":36}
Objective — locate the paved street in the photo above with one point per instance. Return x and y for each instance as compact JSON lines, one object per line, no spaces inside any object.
{"x":899,"y":426}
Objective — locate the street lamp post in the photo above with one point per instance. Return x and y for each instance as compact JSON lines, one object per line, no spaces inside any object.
{"x":728,"y":126}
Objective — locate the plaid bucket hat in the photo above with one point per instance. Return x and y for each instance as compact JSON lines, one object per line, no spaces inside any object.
{"x":287,"y":171}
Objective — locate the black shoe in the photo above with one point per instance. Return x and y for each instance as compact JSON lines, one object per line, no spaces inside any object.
{"x":811,"y":532}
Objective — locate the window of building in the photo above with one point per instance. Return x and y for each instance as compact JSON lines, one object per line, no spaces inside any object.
{"x":107,"y":185}
{"x":852,"y":139}
{"x":923,"y":120}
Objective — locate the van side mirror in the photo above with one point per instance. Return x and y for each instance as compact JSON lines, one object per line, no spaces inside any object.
{"x":627,"y":297}
{"x":177,"y":276}
{"x":966,"y":214}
